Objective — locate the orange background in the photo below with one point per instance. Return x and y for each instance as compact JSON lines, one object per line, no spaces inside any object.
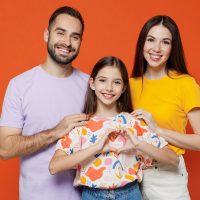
{"x":112,"y":27}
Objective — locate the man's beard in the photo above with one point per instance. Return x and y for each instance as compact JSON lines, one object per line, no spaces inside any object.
{"x":58,"y":59}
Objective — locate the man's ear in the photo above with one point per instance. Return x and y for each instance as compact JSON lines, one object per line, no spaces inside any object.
{"x":46,"y":35}
{"x":91,"y":83}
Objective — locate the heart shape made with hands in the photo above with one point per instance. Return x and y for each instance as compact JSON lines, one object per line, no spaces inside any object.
{"x":116,"y":139}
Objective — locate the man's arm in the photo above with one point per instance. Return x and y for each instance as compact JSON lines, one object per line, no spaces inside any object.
{"x":13,"y":144}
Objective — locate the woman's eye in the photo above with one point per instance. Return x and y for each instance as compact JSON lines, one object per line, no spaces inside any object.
{"x":166,"y":42}
{"x":150,"y":39}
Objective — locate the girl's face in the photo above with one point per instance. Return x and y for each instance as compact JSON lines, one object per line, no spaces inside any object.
{"x":108,"y":85}
{"x":157,"y":47}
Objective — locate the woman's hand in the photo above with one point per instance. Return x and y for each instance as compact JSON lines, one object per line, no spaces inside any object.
{"x":148,"y":118}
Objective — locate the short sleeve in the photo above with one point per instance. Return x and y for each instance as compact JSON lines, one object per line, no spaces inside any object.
{"x":190,"y":94}
{"x":12,"y":115}
{"x":154,"y":139}
{"x":70,"y":143}
{"x":145,"y":134}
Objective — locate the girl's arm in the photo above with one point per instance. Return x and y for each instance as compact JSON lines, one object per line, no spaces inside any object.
{"x":62,"y":161}
{"x":187,"y":141}
{"x":164,"y":155}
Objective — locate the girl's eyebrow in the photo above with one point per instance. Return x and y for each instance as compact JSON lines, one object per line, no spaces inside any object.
{"x":108,"y":77}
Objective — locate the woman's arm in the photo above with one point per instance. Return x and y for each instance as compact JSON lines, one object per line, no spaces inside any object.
{"x":187,"y":141}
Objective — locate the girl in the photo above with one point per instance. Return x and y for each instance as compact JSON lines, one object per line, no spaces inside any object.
{"x":109,"y":151}
{"x":161,"y":85}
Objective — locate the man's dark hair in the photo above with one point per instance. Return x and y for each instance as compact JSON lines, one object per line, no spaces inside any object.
{"x":66,"y":10}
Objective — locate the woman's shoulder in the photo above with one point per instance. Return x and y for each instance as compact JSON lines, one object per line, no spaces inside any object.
{"x":177,"y":76}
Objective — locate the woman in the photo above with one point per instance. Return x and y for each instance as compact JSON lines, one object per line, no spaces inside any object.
{"x":162,"y":86}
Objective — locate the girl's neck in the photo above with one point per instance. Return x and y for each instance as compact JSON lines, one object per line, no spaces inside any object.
{"x":106,"y":111}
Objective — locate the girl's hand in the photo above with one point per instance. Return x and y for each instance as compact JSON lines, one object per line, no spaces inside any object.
{"x":103,"y":144}
{"x":131,"y":142}
{"x":147,"y":117}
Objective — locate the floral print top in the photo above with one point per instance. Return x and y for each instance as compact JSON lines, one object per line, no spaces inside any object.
{"x":109,"y":170}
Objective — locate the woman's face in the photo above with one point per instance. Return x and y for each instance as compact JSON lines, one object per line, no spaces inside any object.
{"x":157,"y":47}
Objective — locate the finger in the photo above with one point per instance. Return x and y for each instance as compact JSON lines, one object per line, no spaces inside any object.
{"x":111,"y":130}
{"x":76,"y":116}
{"x":76,"y":124}
{"x":137,"y":111}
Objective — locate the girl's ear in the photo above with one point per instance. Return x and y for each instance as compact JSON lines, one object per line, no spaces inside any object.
{"x":46,"y":35}
{"x":91,"y":83}
{"x":124,"y":89}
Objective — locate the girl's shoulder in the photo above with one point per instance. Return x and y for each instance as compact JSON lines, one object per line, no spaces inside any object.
{"x":125,"y":117}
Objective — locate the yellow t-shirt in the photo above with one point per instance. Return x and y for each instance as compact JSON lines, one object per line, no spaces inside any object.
{"x":167,"y":99}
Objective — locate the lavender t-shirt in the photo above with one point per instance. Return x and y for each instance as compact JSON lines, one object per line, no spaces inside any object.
{"x":37,"y":101}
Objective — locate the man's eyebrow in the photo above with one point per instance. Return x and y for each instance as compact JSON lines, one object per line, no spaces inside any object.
{"x":64,"y":30}
{"x":60,"y":29}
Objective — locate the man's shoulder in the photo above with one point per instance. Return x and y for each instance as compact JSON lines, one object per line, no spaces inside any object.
{"x":81,"y":74}
{"x":25,"y":76}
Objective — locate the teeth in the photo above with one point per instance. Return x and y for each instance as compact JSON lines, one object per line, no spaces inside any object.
{"x":63,"y":50}
{"x":108,"y":95}
{"x":155,"y":56}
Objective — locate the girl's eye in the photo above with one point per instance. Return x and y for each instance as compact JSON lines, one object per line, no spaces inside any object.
{"x":102,"y":80}
{"x":117,"y":82}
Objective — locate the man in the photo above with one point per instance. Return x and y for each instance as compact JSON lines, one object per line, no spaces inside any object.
{"x":38,"y":110}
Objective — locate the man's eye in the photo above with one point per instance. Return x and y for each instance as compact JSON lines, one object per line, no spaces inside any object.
{"x":60,"y":33}
{"x":75,"y":37}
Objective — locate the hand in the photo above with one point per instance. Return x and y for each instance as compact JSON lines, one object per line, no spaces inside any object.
{"x":147,"y":117}
{"x":131,"y":142}
{"x":103,"y":144}
{"x":68,"y":123}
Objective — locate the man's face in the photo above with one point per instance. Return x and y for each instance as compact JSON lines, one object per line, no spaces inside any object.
{"x":64,"y":39}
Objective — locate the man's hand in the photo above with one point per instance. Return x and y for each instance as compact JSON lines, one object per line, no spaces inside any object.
{"x":68,"y":123}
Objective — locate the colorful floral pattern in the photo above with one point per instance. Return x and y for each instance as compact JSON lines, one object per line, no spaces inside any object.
{"x":109,"y":170}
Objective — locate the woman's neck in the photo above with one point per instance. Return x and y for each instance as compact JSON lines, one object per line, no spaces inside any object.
{"x":154,"y":73}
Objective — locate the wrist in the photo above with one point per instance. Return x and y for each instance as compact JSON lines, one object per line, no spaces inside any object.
{"x":159,"y":131}
{"x":140,"y":145}
{"x":96,"y":149}
{"x":52,"y":134}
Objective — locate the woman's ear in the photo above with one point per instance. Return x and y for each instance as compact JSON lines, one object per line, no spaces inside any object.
{"x":46,"y":35}
{"x":91,"y":83}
